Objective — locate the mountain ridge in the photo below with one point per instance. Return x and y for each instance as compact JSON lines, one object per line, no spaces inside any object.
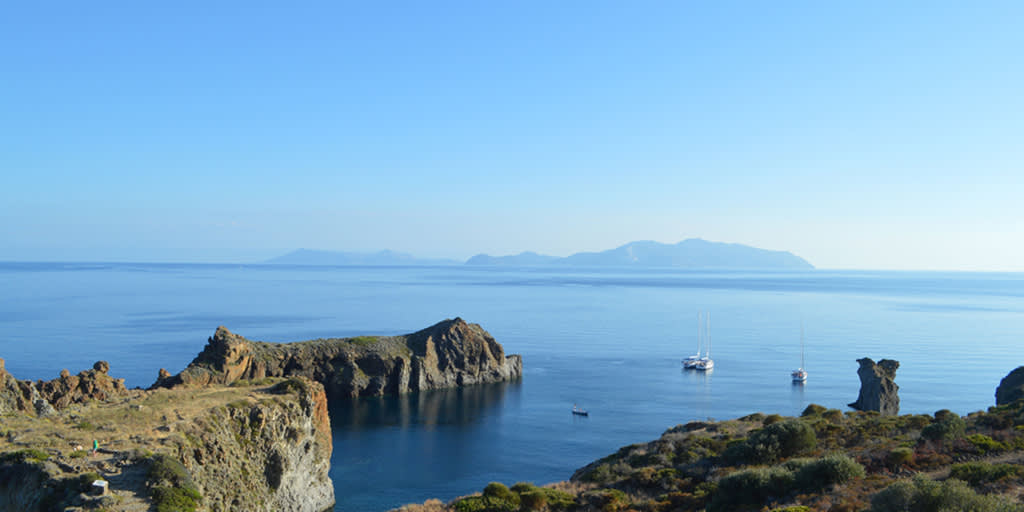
{"x":689,"y":253}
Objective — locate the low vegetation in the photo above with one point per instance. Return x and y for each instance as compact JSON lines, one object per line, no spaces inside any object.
{"x":823,"y":461}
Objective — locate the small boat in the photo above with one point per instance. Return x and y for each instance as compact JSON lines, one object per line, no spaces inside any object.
{"x":690,"y":363}
{"x":800,"y":375}
{"x":579,"y":412}
{"x":706,"y":363}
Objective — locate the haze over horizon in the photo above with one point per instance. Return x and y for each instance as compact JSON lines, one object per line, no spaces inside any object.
{"x":871,"y":135}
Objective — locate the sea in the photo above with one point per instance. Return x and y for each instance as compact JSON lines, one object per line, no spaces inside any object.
{"x":607,"y":340}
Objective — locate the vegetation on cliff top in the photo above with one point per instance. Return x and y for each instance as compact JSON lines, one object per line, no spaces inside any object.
{"x":47,"y":464}
{"x":824,"y":460}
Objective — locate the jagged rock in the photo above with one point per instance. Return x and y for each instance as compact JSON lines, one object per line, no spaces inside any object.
{"x":448,"y":354}
{"x":88,"y":385}
{"x":878,"y":392}
{"x":1011,"y":388}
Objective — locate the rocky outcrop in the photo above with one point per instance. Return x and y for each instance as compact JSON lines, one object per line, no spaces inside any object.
{"x":264,"y":456}
{"x":261,"y":448}
{"x":12,"y":397}
{"x":878,"y":391}
{"x":87,"y":386}
{"x":448,"y":354}
{"x":43,"y":398}
{"x":1011,"y":388}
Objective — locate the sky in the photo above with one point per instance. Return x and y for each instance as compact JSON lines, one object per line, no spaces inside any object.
{"x":871,"y":135}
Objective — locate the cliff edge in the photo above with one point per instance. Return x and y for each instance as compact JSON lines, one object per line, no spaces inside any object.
{"x":447,"y":354}
{"x":259,"y":447}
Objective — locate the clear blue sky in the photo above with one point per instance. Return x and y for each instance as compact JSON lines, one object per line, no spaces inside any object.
{"x":869,"y":134}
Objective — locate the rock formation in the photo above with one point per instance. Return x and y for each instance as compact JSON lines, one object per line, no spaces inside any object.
{"x":448,"y":354}
{"x":878,"y":392}
{"x":260,"y":448}
{"x":265,"y":456}
{"x":43,"y":398}
{"x":1011,"y":388}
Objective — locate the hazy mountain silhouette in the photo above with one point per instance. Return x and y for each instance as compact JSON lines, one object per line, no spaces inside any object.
{"x":690,"y":253}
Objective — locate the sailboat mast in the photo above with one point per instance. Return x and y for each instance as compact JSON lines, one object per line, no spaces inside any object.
{"x":709,"y":335}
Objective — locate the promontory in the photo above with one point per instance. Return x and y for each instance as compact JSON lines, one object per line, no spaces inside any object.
{"x":244,"y":427}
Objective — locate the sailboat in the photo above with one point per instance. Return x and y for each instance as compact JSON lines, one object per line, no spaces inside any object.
{"x":800,"y":375}
{"x":691,"y":362}
{"x":706,"y":363}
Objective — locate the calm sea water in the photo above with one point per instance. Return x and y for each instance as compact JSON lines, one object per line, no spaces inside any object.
{"x":610,"y":341}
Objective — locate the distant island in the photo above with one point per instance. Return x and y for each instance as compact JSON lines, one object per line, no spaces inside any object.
{"x":692,"y":253}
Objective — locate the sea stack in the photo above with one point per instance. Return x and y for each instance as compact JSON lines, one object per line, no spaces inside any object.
{"x":1011,"y":388}
{"x":878,"y":392}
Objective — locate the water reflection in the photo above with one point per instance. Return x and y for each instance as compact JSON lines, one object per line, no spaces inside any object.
{"x":394,"y":450}
{"x":460,"y":406}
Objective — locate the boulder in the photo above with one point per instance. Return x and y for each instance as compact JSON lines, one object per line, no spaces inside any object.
{"x":1011,"y":388}
{"x":878,"y":391}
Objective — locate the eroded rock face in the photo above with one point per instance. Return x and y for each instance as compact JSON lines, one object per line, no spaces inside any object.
{"x":265,"y":456}
{"x":448,"y":354}
{"x":1011,"y":388}
{"x":878,"y":391}
{"x":43,"y":398}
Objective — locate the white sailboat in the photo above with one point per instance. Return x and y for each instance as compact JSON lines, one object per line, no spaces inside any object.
{"x":800,"y":375}
{"x":706,"y":363}
{"x":691,"y":362}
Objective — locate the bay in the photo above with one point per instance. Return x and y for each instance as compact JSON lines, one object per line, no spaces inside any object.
{"x":609,"y":340}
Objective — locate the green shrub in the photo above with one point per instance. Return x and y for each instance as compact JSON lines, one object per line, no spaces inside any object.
{"x":599,"y":475}
{"x":901,"y":456}
{"x":826,"y":471}
{"x":363,"y":340}
{"x":986,"y":444}
{"x":783,"y":439}
{"x":924,"y":495}
{"x":290,"y":386}
{"x":498,"y":492}
{"x":175,"y":499}
{"x":751,"y":487}
{"x":794,"y":508}
{"x":978,"y":473}
{"x":833,"y":415}
{"x":533,"y":500}
{"x":813,"y":410}
{"x":470,"y":504}
{"x":86,"y":426}
{"x":172,"y":488}
{"x":948,"y":428}
{"x":770,"y":419}
{"x":29,"y":455}
{"x":77,"y":454}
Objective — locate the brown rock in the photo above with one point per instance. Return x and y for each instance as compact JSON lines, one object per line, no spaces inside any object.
{"x":101,"y":366}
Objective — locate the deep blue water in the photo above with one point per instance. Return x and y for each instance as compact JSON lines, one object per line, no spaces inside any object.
{"x":608,"y":340}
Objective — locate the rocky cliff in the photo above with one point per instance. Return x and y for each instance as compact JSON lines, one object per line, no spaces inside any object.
{"x":264,"y":455}
{"x":263,"y":447}
{"x":1011,"y":388}
{"x":448,"y":354}
{"x":878,"y":391}
{"x":44,"y":398}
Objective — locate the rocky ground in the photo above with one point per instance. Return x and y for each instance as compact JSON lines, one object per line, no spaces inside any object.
{"x":133,"y":431}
